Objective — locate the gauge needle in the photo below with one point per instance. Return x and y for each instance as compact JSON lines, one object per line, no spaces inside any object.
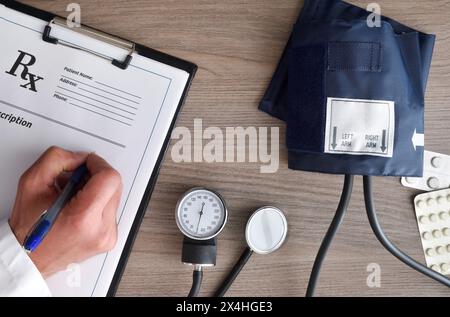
{"x":200,"y":218}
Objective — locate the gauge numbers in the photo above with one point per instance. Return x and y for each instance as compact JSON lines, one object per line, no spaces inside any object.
{"x":201,"y":214}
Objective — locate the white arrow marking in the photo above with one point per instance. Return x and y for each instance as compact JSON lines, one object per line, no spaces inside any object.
{"x":418,"y":139}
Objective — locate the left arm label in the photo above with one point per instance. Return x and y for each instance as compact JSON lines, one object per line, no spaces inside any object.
{"x":360,"y":127}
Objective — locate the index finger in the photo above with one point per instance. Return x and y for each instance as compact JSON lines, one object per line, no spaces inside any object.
{"x":53,"y":162}
{"x":102,"y":185}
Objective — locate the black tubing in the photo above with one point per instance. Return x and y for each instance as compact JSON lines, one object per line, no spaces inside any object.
{"x":226,"y":284}
{"x":197,"y":277}
{"x":332,"y":230}
{"x":378,"y":231}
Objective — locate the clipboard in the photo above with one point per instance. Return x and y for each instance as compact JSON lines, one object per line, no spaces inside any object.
{"x":144,"y":51}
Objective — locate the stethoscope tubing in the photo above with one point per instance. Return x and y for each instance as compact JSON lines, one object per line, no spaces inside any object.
{"x":228,"y":281}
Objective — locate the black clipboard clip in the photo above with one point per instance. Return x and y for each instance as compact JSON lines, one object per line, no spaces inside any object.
{"x":98,"y":35}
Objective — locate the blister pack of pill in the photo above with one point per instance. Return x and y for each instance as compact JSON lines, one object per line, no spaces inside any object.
{"x":436,"y":173}
{"x":433,"y":218}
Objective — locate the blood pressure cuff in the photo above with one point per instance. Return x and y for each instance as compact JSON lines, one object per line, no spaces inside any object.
{"x":352,"y":96}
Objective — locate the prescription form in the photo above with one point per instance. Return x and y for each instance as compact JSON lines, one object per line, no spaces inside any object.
{"x":56,"y":95}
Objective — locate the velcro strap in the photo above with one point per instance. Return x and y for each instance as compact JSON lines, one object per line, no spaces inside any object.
{"x":306,"y":113}
{"x":354,"y":56}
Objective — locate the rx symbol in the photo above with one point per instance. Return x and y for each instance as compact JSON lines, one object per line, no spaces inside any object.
{"x":25,"y":60}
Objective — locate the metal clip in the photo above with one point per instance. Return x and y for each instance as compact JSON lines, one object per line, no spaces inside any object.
{"x":98,"y":35}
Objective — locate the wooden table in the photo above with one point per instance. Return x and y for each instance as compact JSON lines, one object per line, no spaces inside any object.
{"x":237,"y":44}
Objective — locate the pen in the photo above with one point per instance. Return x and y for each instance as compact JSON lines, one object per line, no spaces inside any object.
{"x":48,"y":218}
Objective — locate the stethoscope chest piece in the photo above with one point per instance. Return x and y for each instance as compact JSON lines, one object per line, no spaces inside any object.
{"x":266,"y":230}
{"x":265,"y":233}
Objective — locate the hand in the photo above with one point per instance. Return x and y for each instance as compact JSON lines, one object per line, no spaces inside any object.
{"x":85,"y":227}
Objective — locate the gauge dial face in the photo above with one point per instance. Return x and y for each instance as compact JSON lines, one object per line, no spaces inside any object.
{"x":201,"y":214}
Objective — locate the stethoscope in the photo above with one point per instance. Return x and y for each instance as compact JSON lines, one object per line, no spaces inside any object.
{"x":201,"y":214}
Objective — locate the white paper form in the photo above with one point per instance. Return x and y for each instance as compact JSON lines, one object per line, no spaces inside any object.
{"x":56,"y":95}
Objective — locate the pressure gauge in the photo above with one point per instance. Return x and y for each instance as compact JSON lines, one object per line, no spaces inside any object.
{"x":201,"y":214}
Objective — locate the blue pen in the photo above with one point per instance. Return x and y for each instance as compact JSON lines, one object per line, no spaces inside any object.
{"x":48,"y":218}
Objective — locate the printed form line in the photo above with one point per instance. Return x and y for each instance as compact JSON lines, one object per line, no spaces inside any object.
{"x":117,"y":89}
{"x":100,"y":114}
{"x":87,"y":103}
{"x":62,"y":124}
{"x":80,"y":82}
{"x":104,"y":103}
{"x":124,"y":104}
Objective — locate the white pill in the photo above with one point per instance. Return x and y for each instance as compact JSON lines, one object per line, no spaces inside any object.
{"x":440,"y":250}
{"x":433,"y":217}
{"x":436,"y":162}
{"x":443,"y":215}
{"x":446,"y":232}
{"x":435,"y":268}
{"x":440,"y":200}
{"x":423,"y":220}
{"x":420,"y":204}
{"x":437,"y":234}
{"x":433,"y":183}
{"x":431,"y":252}
{"x":412,"y":180}
{"x":426,"y":235}
{"x":445,"y":267}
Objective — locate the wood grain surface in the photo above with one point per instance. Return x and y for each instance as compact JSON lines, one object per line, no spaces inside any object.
{"x":237,"y":44}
